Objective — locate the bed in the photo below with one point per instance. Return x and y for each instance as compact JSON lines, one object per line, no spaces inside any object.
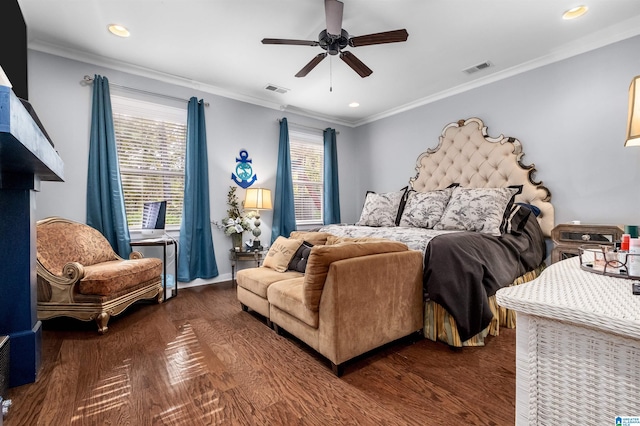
{"x":480,"y":219}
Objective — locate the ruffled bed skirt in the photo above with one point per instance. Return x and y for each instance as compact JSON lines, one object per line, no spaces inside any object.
{"x":439,"y":326}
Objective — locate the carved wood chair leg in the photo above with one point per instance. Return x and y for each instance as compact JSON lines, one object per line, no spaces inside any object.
{"x":102,"y":320}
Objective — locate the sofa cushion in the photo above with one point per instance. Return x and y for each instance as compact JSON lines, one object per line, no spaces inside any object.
{"x":113,"y":276}
{"x":287,"y":296}
{"x":299,"y":260}
{"x":321,"y":258}
{"x":314,"y":237}
{"x":334,"y":239}
{"x":281,"y":253}
{"x":257,"y":280}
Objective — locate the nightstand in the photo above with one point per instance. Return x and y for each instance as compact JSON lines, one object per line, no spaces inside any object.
{"x":244,"y":256}
{"x":567,"y":238}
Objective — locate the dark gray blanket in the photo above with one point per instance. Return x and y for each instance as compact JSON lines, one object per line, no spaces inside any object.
{"x":463,"y":269}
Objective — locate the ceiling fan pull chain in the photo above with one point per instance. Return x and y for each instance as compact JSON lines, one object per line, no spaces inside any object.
{"x":330,"y":74}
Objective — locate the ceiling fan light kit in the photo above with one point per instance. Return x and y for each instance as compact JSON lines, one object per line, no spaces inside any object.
{"x":334,"y":39}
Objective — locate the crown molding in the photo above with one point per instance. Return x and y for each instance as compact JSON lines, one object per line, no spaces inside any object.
{"x":619,"y":32}
{"x":624,"y":30}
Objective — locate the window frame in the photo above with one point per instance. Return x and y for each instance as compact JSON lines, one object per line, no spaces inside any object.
{"x":300,"y":138}
{"x":169,"y":124}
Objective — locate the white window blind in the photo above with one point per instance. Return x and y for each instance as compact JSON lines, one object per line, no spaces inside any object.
{"x":307,"y":168}
{"x":151,"y":142}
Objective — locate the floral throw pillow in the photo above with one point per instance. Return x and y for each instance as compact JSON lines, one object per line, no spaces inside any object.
{"x":424,"y":209}
{"x":380,"y":209}
{"x":477,"y":209}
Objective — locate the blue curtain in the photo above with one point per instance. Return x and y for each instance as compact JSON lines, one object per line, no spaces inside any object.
{"x":105,"y":198}
{"x":284,"y":211}
{"x":196,"y":256}
{"x":331,"y":210}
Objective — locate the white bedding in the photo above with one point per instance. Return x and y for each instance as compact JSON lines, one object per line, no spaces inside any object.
{"x":414,"y":238}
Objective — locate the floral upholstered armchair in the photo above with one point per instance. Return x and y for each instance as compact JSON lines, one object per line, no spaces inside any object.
{"x":80,"y":276}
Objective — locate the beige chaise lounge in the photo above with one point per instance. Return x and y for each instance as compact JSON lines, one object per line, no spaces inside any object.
{"x":352,"y":298}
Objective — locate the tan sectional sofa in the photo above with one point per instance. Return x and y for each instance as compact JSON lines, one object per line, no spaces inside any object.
{"x":354,"y":296}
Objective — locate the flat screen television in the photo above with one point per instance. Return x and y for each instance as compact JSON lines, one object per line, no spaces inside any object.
{"x":153,"y":219}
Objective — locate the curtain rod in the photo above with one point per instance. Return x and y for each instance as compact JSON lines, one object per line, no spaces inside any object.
{"x":303,"y":126}
{"x":89,"y":80}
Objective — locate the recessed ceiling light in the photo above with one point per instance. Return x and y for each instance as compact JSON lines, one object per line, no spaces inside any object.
{"x":354,"y":105}
{"x":574,"y":13}
{"x":118,"y":30}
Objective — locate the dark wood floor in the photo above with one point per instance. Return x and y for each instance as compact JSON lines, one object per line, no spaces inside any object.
{"x":199,"y":360}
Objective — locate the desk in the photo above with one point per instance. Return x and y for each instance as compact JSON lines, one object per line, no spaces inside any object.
{"x":244,"y":256}
{"x":577,"y":347}
{"x":169,"y":282}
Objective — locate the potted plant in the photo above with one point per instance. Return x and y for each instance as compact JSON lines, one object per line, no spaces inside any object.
{"x":235,"y":223}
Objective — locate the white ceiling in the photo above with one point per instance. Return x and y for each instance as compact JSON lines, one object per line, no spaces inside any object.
{"x":215,"y":45}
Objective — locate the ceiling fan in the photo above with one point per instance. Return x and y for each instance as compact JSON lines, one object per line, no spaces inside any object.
{"x":334,"y":38}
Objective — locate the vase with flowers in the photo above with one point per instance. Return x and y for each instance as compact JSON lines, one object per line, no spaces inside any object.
{"x":235,"y":223}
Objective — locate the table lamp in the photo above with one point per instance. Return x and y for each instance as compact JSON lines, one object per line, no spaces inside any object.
{"x":257,"y":199}
{"x":633,"y":125}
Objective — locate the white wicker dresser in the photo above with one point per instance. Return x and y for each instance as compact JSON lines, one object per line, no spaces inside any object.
{"x":577,"y":347}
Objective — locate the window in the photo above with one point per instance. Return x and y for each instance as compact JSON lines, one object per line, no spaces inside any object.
{"x":151,"y":141}
{"x":307,"y":166}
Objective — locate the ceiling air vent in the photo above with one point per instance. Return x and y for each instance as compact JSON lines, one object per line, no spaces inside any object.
{"x":274,"y":88}
{"x":478,"y":67}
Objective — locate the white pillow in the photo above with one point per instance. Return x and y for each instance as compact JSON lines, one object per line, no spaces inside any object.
{"x":380,"y":209}
{"x":477,"y":209}
{"x":424,"y":209}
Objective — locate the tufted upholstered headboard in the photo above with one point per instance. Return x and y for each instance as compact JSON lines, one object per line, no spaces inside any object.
{"x":468,"y":156}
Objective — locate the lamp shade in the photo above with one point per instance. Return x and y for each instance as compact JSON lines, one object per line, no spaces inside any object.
{"x":633,"y":125}
{"x":258,"y":199}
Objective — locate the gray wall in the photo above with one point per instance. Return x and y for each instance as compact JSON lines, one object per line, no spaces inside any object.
{"x":570,"y":117}
{"x":64,"y":106}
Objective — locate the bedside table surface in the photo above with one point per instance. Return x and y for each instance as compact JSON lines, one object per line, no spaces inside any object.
{"x":568,"y":237}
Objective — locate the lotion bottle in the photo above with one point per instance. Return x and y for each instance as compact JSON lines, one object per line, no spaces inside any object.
{"x":633,"y":259}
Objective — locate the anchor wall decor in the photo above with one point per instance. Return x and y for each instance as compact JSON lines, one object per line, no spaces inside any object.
{"x":245,"y":177}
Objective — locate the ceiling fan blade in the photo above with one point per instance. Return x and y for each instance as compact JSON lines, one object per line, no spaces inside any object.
{"x":333,"y":12}
{"x":356,"y":64}
{"x":311,"y":65}
{"x":288,"y":41}
{"x":379,"y":38}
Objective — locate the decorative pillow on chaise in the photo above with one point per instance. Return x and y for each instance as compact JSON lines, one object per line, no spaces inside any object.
{"x":424,"y":209}
{"x":299,"y":260}
{"x":281,"y":253}
{"x":381,"y":209}
{"x":478,"y":209}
